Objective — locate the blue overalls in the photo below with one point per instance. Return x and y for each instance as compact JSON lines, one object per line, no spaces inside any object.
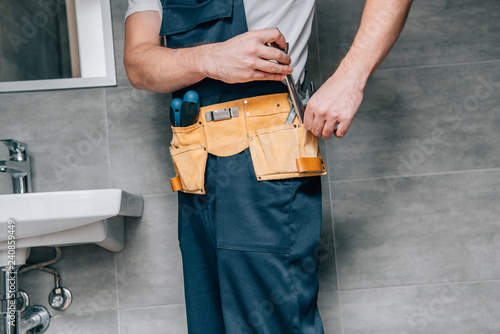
{"x":249,"y":248}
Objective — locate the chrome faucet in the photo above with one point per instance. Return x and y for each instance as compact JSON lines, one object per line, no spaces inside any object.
{"x":18,"y":166}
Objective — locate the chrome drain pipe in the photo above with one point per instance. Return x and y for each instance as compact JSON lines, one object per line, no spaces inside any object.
{"x":35,"y":319}
{"x":9,"y":315}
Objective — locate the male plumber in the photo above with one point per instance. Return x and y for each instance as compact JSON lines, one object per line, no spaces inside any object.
{"x":248,"y":165}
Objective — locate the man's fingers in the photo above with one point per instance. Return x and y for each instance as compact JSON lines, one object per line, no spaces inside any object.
{"x":342,"y":129}
{"x":272,"y":35}
{"x":308,"y":119}
{"x":272,"y":67}
{"x":271,"y":53}
{"x":328,"y":129}
{"x":317,"y":126}
{"x":259,"y":75}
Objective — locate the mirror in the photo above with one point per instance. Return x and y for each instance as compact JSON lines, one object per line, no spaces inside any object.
{"x":55,"y":44}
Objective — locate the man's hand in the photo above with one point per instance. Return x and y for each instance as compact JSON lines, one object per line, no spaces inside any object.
{"x":246,"y":58}
{"x":334,"y":104}
{"x":243,"y":58}
{"x":338,"y":100}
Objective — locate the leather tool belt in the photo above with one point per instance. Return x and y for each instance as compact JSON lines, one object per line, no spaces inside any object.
{"x":278,"y":150}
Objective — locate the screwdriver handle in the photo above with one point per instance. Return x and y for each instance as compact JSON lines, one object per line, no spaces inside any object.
{"x":190,"y":108}
{"x":175,"y":110}
{"x":192,"y":96}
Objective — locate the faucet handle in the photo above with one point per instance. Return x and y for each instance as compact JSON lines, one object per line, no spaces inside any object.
{"x":18,"y":151}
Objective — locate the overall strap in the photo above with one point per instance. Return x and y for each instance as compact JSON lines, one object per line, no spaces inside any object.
{"x":189,"y":23}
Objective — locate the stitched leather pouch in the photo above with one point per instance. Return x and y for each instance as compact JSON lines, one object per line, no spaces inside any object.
{"x":275,"y":146}
{"x":189,"y":154}
{"x":278,"y":150}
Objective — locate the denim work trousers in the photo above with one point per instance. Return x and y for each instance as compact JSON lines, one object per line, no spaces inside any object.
{"x":250,"y":251}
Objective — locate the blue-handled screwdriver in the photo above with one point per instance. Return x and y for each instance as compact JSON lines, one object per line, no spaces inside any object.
{"x":175,"y":112}
{"x":190,"y":108}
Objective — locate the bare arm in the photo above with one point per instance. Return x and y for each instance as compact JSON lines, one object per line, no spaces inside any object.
{"x":339,"y":98}
{"x":244,"y":58}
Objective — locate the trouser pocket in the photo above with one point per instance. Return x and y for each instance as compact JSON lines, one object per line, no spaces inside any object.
{"x":251,"y":215}
{"x":278,"y":150}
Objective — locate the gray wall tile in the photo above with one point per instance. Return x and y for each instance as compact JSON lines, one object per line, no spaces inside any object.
{"x":149,"y":269}
{"x":436,"y":33}
{"x":139,"y":136}
{"x":66,"y":135}
{"x":327,"y":269}
{"x":329,"y":309}
{"x":169,"y":319}
{"x":88,"y":323}
{"x":423,"y":121}
{"x":446,"y":308}
{"x":424,"y":230}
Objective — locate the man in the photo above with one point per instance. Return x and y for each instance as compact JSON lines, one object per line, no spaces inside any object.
{"x":249,"y":218}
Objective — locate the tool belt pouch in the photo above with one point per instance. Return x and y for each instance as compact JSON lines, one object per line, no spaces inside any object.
{"x":285,"y":151}
{"x":278,"y":150}
{"x":189,"y":154}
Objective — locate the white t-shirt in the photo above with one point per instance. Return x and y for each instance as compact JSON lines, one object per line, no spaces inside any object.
{"x":292,"y":17}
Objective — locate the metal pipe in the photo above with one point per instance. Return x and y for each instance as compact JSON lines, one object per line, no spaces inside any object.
{"x":42,"y":264}
{"x":35,"y":317}
{"x":9,"y":316}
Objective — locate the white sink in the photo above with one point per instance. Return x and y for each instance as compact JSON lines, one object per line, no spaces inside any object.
{"x":64,"y":218}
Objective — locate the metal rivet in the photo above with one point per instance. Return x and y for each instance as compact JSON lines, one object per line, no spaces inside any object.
{"x":247,"y":113}
{"x":250,"y":138}
{"x":245,"y":102}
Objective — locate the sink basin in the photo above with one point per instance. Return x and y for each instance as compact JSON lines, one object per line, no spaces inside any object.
{"x":64,"y":218}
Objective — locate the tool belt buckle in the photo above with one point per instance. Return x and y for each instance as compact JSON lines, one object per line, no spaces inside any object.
{"x":221,"y":114}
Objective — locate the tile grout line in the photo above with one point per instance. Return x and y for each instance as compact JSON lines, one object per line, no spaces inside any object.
{"x":170,"y":193}
{"x":151,"y":307}
{"x":336,"y":257}
{"x":105,"y":106}
{"x":117,"y":294}
{"x":418,"y":175}
{"x":423,"y":285}
{"x":439,"y":65}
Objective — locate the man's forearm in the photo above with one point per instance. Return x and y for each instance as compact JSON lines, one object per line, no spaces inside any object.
{"x":163,"y":70}
{"x":242,"y":58}
{"x":381,"y":24}
{"x":337,"y":101}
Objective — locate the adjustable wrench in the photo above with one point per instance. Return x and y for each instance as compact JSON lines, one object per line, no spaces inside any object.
{"x":294,"y":96}
{"x":293,"y":93}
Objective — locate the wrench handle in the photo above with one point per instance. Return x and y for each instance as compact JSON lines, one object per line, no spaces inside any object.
{"x":295,"y":97}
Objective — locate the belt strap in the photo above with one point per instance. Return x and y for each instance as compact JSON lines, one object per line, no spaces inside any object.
{"x":176,"y":183}
{"x":311,"y":164}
